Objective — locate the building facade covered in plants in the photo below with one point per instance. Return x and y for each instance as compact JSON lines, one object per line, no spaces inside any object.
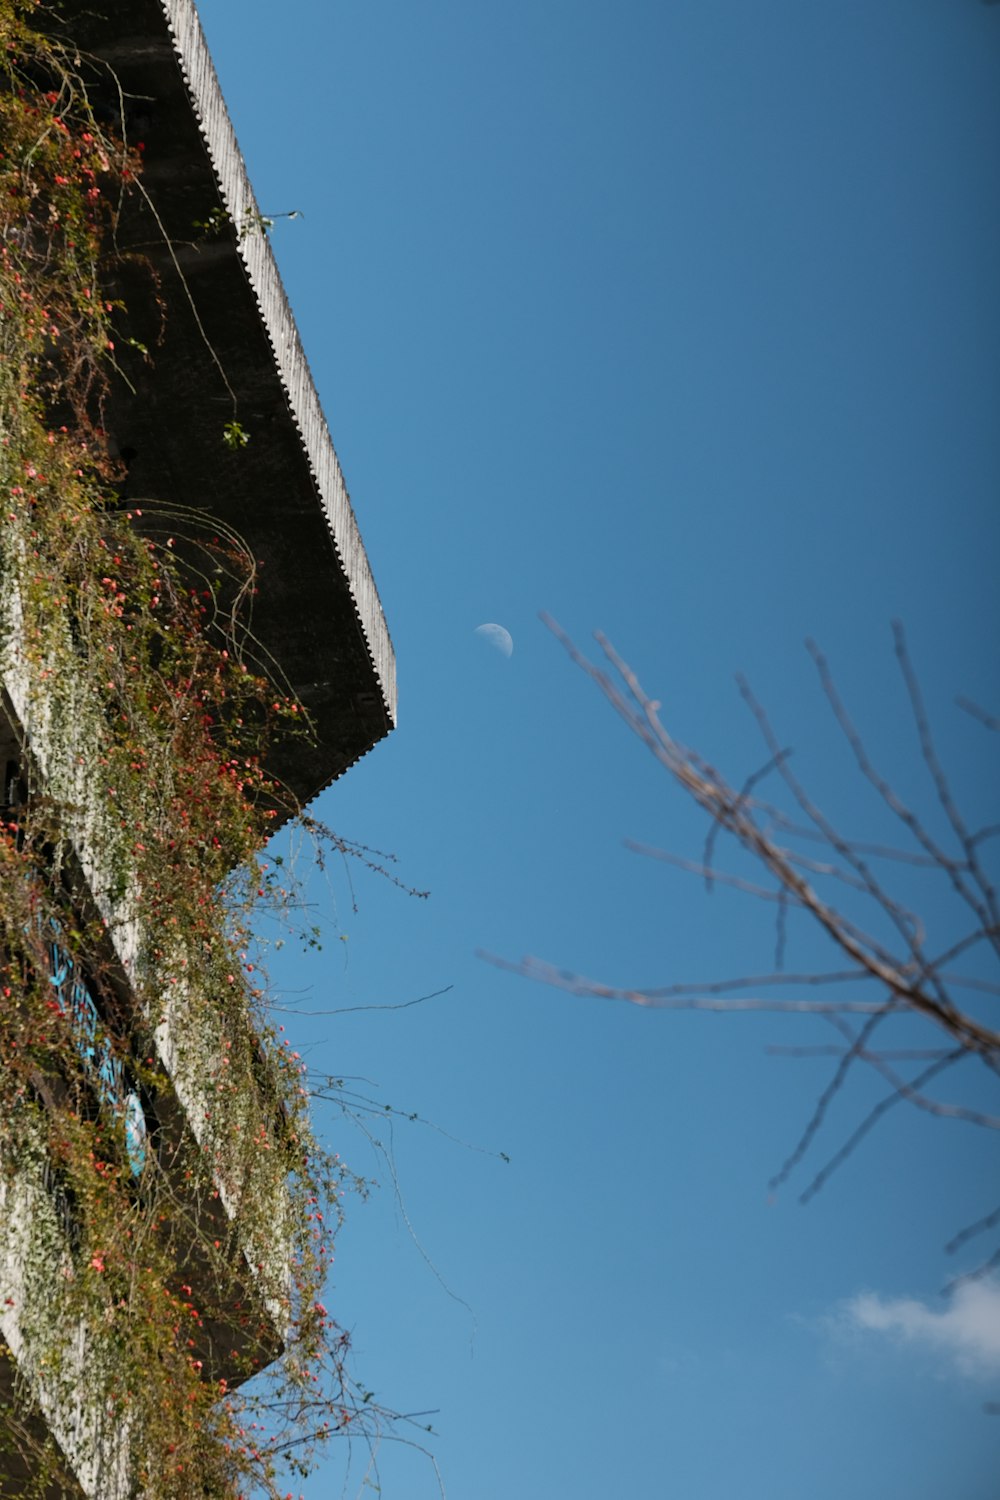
{"x":191,"y":647}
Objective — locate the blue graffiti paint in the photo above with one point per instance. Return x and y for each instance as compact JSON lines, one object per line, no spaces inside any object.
{"x":106,"y":1071}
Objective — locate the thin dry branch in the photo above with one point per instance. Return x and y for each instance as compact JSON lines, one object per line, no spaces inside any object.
{"x":780,"y":820}
{"x":932,"y":1106}
{"x":709,"y":873}
{"x":989,"y":720}
{"x":878,"y":959}
{"x":939,"y":858}
{"x":990,"y":922}
{"x":913,"y":977}
{"x":913,"y":981}
{"x":742,"y":799}
{"x":680,"y":997}
{"x":781,"y":932}
{"x":825,"y":1099}
{"x":830,"y":1049}
{"x":872,"y":1118}
{"x":988,"y":1221}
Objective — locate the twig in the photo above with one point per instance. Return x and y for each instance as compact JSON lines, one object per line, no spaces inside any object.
{"x":347,"y":1010}
{"x":742,"y":798}
{"x":826,"y":1098}
{"x":942,"y":786}
{"x":988,"y":1221}
{"x":871,"y":1119}
{"x":989,"y":720}
{"x":830,"y":1049}
{"x":708,"y":999}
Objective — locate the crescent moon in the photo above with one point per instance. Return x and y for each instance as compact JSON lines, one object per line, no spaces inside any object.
{"x":497,"y":637}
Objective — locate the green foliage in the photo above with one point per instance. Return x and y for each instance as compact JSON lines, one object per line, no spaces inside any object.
{"x":137,"y":844}
{"x":235,"y":437}
{"x":250,"y":224}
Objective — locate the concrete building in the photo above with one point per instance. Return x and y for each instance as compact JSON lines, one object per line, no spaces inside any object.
{"x":229,"y":343}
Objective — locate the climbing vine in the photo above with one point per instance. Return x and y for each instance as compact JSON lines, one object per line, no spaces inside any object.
{"x":167,"y":1212}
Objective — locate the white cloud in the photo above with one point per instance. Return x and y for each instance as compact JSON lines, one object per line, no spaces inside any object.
{"x":965,"y":1328}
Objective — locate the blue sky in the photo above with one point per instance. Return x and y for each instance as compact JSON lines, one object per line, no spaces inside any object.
{"x":681,"y":321}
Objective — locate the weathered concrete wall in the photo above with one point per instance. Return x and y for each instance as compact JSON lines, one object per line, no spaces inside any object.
{"x":228,"y":350}
{"x":51,"y":721}
{"x":33,"y":1322}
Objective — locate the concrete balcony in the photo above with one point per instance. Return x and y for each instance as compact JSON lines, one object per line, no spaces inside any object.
{"x":227,"y":351}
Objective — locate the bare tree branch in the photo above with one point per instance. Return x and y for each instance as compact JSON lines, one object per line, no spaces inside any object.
{"x":680,"y":997}
{"x":908,"y":1092}
{"x":877,"y":959}
{"x":990,"y":720}
{"x":741,"y":800}
{"x":915,"y":979}
{"x":825,"y":1099}
{"x":988,"y":1221}
{"x":708,"y":872}
{"x":781,"y":932}
{"x":872,"y":1119}
{"x":830,"y":1049}
{"x":992,"y":922}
